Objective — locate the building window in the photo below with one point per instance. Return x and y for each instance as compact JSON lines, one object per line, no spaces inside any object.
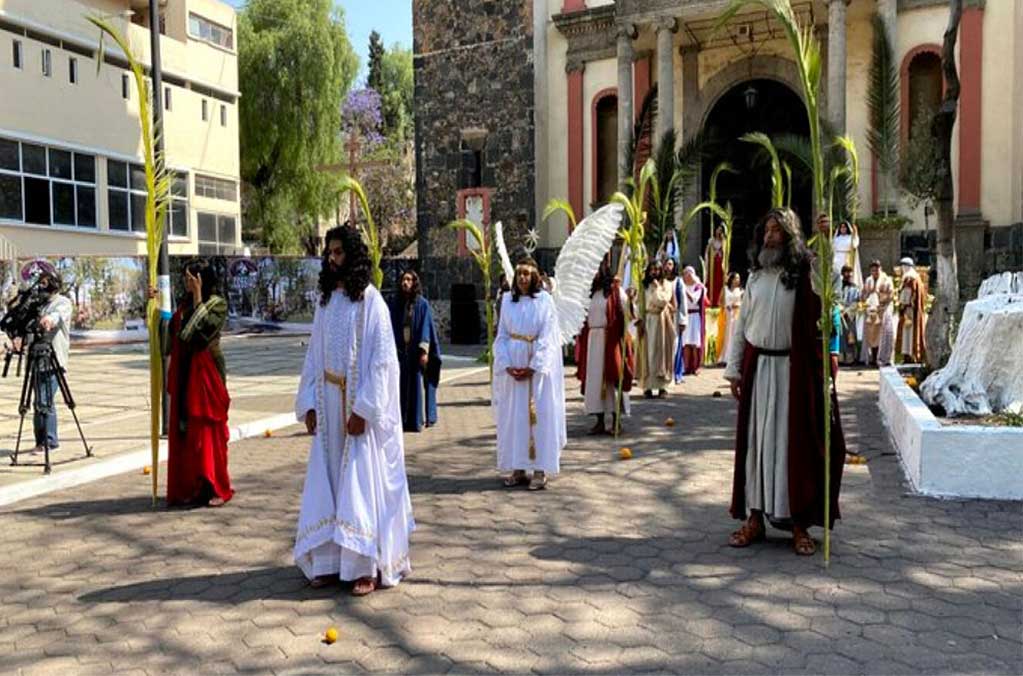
{"x":47,"y":186}
{"x":72,"y":69}
{"x":605,"y":127}
{"x":926,"y":86}
{"x":205,"y":110}
{"x":215,"y":188}
{"x":217,"y":233}
{"x":202,"y":28}
{"x":125,"y":88}
{"x":167,"y":98}
{"x":47,"y":63}
{"x":126,"y":199}
{"x":16,"y":55}
{"x":223,"y":115}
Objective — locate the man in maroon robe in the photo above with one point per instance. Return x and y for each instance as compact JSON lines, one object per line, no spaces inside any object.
{"x":775,"y":370}
{"x":605,"y":330}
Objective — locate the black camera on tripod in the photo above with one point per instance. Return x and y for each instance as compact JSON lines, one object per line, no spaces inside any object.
{"x":24,"y":326}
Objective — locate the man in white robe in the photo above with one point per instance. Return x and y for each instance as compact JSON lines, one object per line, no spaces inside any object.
{"x":356,"y":514}
{"x":528,"y":391}
{"x":775,"y":371}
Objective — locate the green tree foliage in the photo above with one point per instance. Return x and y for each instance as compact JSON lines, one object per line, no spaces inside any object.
{"x":396,"y":93}
{"x":376,"y":61}
{"x":922,"y":165}
{"x":295,"y":64}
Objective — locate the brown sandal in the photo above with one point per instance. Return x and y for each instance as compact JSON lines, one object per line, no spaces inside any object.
{"x":750,"y":532}
{"x":364,"y":586}
{"x":802,"y":543}
{"x":517,"y":478}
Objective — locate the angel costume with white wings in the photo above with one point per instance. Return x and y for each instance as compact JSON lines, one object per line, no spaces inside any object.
{"x":356,"y":515}
{"x":530,"y":413}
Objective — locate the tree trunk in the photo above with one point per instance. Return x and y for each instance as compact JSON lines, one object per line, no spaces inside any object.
{"x":946,"y":292}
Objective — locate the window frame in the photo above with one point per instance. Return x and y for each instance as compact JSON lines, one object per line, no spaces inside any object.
{"x":210,"y":27}
{"x":47,"y":62}
{"x":75,"y":184}
{"x":218,"y":247}
{"x":18,"y":54}
{"x":72,"y":69}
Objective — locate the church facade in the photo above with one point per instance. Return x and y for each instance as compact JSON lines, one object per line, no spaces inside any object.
{"x":545,"y":94}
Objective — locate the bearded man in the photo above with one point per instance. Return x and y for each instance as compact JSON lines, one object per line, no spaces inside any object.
{"x":356,"y":515}
{"x":775,"y":370}
{"x":415,"y":337}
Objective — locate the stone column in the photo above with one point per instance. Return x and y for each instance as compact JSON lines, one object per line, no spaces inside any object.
{"x":666,"y":28}
{"x":836,"y":63}
{"x":626,"y":34}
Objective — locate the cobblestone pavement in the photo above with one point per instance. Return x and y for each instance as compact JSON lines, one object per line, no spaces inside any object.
{"x":618,"y":567}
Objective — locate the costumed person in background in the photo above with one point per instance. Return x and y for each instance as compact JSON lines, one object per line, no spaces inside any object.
{"x":528,"y":391}
{"x":356,"y":516}
{"x":418,"y":354}
{"x":659,"y":330}
{"x":732,"y":301}
{"x":775,"y":370}
{"x":909,"y":340}
{"x":681,"y":315}
{"x":846,"y":249}
{"x":877,"y":296}
{"x":849,"y":303}
{"x":695,"y":337}
{"x":714,"y":259}
{"x":197,"y":433}
{"x":604,"y":352}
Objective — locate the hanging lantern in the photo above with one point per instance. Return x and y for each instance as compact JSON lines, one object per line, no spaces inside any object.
{"x":751,"y":97}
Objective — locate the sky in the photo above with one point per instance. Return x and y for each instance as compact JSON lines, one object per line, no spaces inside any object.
{"x":391,"y":18}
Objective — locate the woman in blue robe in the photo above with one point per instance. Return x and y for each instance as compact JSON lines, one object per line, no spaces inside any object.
{"x":415,"y":338}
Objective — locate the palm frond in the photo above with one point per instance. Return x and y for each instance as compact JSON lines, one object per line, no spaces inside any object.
{"x":788,"y":183}
{"x":777,"y":181}
{"x":852,"y":196}
{"x":556,"y":205}
{"x":883,"y":99}
{"x":642,"y":128}
{"x":369,"y":231}
{"x":796,"y":147}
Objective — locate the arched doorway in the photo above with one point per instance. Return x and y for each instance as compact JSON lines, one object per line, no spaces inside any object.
{"x":775,"y":110}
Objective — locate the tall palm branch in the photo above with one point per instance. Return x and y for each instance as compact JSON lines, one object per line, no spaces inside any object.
{"x":809,"y":63}
{"x":484,"y":256}
{"x":157,"y":202}
{"x":369,"y":232}
{"x":642,"y":132}
{"x":883,"y":105}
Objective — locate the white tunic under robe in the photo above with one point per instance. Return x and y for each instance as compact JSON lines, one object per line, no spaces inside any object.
{"x":356,"y":515}
{"x":600,"y":399}
{"x":527,"y":336}
{"x":693,"y":336}
{"x":765,"y":321}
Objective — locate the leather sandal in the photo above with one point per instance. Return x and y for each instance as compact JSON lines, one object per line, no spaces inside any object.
{"x":364,"y":586}
{"x":516,"y":478}
{"x":750,"y":532}
{"x":539,"y":481}
{"x":802,"y":543}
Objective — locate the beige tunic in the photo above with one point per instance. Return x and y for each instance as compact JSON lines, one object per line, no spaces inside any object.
{"x":660,"y":336}
{"x":765,"y":321}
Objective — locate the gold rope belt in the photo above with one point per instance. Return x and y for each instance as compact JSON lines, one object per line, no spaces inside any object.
{"x":532,"y":405}
{"x":342,"y":382}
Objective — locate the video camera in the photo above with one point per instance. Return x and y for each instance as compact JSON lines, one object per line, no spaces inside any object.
{"x":24,"y":312}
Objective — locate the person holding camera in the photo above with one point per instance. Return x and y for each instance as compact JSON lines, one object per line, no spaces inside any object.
{"x":55,"y":328}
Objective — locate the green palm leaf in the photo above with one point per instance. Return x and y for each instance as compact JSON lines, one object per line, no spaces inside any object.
{"x":556,"y":205}
{"x":777,"y":180}
{"x":484,"y":257}
{"x":883,"y":99}
{"x":369,"y":232}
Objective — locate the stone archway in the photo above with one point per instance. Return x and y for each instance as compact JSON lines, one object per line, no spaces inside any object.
{"x":766,"y":67}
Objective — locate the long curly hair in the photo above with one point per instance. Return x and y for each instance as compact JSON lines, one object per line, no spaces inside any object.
{"x":648,"y":276}
{"x":354,"y":272}
{"x":796,"y":257}
{"x":417,"y":287}
{"x":604,"y":278}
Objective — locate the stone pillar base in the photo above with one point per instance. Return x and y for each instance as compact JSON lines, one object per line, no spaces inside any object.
{"x":971,"y":232}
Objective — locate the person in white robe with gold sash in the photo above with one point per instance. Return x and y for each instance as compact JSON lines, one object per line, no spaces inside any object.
{"x":528,"y":390}
{"x":356,"y":515}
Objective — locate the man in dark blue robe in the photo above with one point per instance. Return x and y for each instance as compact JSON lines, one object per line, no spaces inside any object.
{"x":415,"y":337}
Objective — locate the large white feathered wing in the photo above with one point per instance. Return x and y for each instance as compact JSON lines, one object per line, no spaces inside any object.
{"x":578,"y":262}
{"x":502,"y":252}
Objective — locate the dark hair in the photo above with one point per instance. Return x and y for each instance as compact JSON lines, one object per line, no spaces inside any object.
{"x":674,"y":268}
{"x":719,"y":227}
{"x":876,"y":264}
{"x":534,"y":284}
{"x":847,"y":227}
{"x":54,"y":282}
{"x":731,"y":276}
{"x":354,"y":272}
{"x":648,"y":277}
{"x":603,"y":280}
{"x":207,"y":274}
{"x":847,"y":268}
{"x":417,"y":287}
{"x":797,"y":257}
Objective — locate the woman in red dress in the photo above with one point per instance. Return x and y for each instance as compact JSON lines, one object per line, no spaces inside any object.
{"x":197,"y":385}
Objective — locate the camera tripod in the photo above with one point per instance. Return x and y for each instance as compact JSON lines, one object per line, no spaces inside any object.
{"x":42,"y":363}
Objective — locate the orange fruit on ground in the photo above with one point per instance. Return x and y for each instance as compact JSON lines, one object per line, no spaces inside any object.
{"x":330,"y":636}
{"x":670,"y":422}
{"x":268,"y":434}
{"x":147,"y":470}
{"x":625,"y":453}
